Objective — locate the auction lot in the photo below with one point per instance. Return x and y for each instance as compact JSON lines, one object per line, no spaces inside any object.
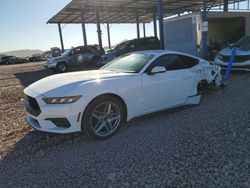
{"x":198,"y":146}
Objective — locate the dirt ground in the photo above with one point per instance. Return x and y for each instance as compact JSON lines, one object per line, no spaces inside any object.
{"x":13,"y":79}
{"x":200,"y":146}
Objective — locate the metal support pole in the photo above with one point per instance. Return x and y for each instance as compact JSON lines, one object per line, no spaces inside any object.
{"x":155,"y":23}
{"x":137,"y":24}
{"x":204,"y":30}
{"x":160,"y":17}
{"x":99,"y":31}
{"x":144,"y":30}
{"x":83,"y":29}
{"x":225,"y":5}
{"x":108,"y":30}
{"x":61,"y":37}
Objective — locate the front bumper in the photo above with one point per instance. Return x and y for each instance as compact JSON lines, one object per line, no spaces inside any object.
{"x":55,"y":118}
{"x":50,"y":65}
{"x":244,"y":66}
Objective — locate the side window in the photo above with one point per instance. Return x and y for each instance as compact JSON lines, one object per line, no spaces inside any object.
{"x":164,"y":61}
{"x":133,"y":44}
{"x":86,"y":50}
{"x":191,"y":61}
{"x":77,"y":51}
{"x":182,"y":62}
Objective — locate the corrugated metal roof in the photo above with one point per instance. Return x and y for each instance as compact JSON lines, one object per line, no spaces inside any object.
{"x":124,"y":11}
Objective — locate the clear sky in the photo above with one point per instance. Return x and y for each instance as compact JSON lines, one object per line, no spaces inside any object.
{"x":23,"y":26}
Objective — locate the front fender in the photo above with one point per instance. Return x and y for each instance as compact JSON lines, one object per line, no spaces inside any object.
{"x":128,"y":89}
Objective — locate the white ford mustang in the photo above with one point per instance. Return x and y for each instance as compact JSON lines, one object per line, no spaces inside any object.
{"x":99,"y":101}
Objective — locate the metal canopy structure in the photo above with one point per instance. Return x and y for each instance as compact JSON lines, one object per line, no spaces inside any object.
{"x":125,"y":11}
{"x":132,"y":11}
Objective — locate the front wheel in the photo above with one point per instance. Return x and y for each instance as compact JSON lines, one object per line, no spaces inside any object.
{"x":103,"y":117}
{"x":61,"y":67}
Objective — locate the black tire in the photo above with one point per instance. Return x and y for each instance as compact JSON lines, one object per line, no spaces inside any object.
{"x":89,"y":119}
{"x":61,"y":67}
{"x":201,"y":87}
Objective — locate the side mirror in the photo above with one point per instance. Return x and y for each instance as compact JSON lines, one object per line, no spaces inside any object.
{"x":231,"y":46}
{"x":157,"y":69}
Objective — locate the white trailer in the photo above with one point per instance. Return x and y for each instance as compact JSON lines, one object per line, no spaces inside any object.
{"x":184,"y":33}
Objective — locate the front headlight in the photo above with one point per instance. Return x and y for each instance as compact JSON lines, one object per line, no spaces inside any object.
{"x":61,"y":100}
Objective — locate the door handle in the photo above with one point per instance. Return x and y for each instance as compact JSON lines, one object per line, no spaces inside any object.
{"x":187,"y":77}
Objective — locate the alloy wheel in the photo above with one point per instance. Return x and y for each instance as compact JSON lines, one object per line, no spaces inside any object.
{"x":62,"y":67}
{"x":105,"y":118}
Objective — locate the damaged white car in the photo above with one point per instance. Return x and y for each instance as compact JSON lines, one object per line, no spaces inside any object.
{"x":98,"y":102}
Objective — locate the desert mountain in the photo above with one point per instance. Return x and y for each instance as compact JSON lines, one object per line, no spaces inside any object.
{"x":22,"y":53}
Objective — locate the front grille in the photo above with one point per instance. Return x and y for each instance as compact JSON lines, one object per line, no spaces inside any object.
{"x":34,"y":123}
{"x":237,"y":59}
{"x":32,"y":106}
{"x":60,"y":122}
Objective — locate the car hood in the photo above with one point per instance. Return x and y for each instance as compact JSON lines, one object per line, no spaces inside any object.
{"x":63,"y":84}
{"x":228,"y":51}
{"x":58,"y":58}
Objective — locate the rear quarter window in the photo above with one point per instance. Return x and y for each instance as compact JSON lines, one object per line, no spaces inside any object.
{"x":182,"y":62}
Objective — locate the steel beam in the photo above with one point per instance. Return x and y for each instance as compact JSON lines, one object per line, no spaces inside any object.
{"x":108,"y":31}
{"x":83,"y":29}
{"x":61,"y":37}
{"x":225,"y":6}
{"x":160,"y":18}
{"x":144,"y":30}
{"x":99,"y":31}
{"x":155,"y":23}
{"x":137,"y":24}
{"x":204,"y":32}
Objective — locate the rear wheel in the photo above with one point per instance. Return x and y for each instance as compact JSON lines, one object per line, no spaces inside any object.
{"x":202,"y":86}
{"x":61,"y":67}
{"x":103,"y":117}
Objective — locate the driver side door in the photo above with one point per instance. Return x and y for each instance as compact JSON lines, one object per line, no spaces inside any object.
{"x":166,"y":89}
{"x":72,"y":58}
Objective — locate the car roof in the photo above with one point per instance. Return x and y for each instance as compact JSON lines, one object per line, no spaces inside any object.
{"x":162,"y":52}
{"x":136,"y":39}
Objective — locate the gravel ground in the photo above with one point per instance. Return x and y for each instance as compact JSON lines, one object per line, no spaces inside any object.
{"x":199,"y":146}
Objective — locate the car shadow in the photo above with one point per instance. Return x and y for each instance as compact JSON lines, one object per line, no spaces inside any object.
{"x":38,"y":143}
{"x":27,"y":78}
{"x":35,"y":142}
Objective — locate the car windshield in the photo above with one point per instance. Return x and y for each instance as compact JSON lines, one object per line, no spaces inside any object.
{"x":122,"y":46}
{"x":66,"y":52}
{"x":244,"y":43}
{"x":128,"y":63}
